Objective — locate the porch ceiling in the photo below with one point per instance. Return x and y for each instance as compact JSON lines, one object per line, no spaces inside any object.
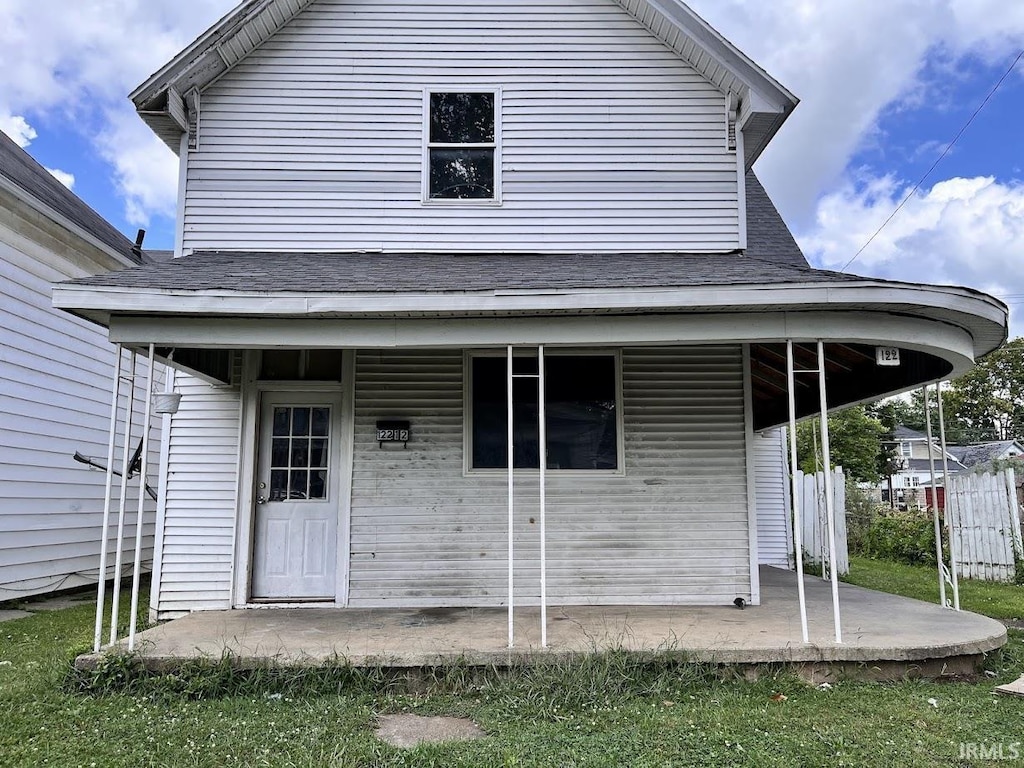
{"x":851,"y":376}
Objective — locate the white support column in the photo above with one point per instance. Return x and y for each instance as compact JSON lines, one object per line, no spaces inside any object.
{"x":123,"y":500}
{"x":140,"y":508}
{"x":108,"y":486}
{"x":542,"y":450}
{"x":830,"y":501}
{"x":511,"y":501}
{"x":954,"y":579}
{"x":798,"y":523}
{"x":935,"y":498}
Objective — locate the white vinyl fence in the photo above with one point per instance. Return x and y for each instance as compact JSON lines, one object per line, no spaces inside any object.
{"x":815,"y":525}
{"x":984,"y":521}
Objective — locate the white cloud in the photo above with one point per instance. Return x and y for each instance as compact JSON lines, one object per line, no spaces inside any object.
{"x":963,"y":231}
{"x":145,"y":170}
{"x":78,"y":63}
{"x":65,"y":178}
{"x":849,"y":60}
{"x":17,"y":128}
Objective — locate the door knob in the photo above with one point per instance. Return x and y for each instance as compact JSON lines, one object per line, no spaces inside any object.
{"x":261,"y":499}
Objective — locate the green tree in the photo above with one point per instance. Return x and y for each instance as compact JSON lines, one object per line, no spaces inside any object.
{"x":988,"y":401}
{"x":855,"y":440}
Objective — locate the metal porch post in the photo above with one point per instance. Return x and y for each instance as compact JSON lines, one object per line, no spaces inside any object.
{"x":795,"y":492}
{"x":511,"y":500}
{"x":955,"y":580}
{"x":123,"y":500}
{"x":830,"y":504}
{"x":108,"y":485}
{"x":143,"y":466}
{"x":542,"y":446}
{"x":935,"y":498}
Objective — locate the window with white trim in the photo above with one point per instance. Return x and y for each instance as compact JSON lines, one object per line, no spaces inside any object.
{"x":461,"y":161}
{"x":581,"y":408}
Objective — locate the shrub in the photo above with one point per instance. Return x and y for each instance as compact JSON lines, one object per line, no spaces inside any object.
{"x":905,"y":537}
{"x":861,"y":511}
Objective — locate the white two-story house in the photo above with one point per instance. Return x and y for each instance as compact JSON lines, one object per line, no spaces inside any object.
{"x":397,"y":219}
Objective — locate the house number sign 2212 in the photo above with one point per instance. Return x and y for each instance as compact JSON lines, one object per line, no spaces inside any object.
{"x":392,"y":431}
{"x":887,"y":355}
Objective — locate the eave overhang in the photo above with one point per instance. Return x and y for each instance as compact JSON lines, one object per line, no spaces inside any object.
{"x":981,"y":318}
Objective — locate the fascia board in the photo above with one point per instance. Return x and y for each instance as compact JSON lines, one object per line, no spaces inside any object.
{"x":728,"y":55}
{"x":118,"y":299}
{"x":192,"y":54}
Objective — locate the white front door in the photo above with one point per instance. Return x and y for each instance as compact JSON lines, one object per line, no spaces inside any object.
{"x":295,"y":553}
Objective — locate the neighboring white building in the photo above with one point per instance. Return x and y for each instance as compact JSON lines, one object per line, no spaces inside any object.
{"x":55,"y":383}
{"x":386,"y":209}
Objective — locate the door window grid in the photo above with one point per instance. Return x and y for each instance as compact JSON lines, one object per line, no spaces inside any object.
{"x":300,"y":446}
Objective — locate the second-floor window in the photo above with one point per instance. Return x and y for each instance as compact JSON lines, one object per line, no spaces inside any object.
{"x":461,"y":158}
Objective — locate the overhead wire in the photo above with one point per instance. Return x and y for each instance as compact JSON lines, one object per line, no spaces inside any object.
{"x":946,"y":151}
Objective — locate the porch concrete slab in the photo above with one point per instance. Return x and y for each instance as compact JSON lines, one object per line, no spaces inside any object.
{"x":877,"y":627}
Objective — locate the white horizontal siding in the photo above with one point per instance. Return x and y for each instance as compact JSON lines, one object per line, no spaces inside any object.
{"x":197,"y":546}
{"x":672,"y":530}
{"x":774,"y":531}
{"x":55,"y":379}
{"x":610,"y":140}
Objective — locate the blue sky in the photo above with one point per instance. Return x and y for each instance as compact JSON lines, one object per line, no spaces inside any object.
{"x":885,"y":85}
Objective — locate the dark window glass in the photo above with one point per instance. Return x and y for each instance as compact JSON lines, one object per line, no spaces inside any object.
{"x":282,"y":420}
{"x":280,"y":364}
{"x":318,"y":485}
{"x":318,"y":453}
{"x":580,"y":413}
{"x":321,"y":420}
{"x":279,"y":453}
{"x":301,"y":365}
{"x":278,"y":485}
{"x":300,"y":421}
{"x":462,"y":174}
{"x":322,"y":365}
{"x":462,"y":118}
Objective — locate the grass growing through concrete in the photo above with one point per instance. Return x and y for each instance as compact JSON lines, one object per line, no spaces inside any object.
{"x":1000,"y":601}
{"x":612,"y":710}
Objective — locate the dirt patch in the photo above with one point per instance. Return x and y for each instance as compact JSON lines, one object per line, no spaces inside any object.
{"x":413,"y":730}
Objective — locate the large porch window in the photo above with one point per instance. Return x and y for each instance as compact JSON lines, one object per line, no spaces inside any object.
{"x":582,"y":412}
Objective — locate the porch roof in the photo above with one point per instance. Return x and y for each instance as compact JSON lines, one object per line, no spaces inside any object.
{"x":273,"y":272}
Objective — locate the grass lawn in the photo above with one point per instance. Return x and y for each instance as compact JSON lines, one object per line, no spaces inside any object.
{"x":1000,"y":601}
{"x":608,"y":712}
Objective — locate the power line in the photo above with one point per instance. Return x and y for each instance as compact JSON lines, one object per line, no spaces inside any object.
{"x":941,"y":157}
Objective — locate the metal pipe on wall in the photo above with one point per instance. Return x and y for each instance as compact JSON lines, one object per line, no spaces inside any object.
{"x":542,"y":450}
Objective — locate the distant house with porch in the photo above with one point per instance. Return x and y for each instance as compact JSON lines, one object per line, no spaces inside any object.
{"x":55,"y":387}
{"x":917,"y":458}
{"x":485,"y":303}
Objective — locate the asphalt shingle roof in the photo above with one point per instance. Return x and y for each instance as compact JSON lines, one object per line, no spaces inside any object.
{"x":274,"y":272}
{"x":982,"y":453}
{"x":772,"y":258}
{"x":20,"y":168}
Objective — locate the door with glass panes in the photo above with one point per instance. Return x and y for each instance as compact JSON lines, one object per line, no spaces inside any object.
{"x":297,"y":497}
